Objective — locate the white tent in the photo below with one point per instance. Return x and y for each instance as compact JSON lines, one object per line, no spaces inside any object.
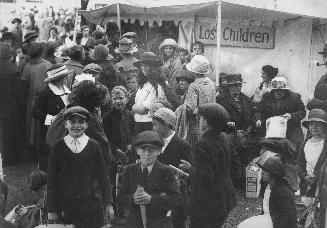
{"x":294,"y":49}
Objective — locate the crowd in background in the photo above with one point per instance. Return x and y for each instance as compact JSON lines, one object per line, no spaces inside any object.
{"x":103,"y":109}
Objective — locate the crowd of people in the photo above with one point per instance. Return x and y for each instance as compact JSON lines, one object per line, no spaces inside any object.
{"x":137,"y":132}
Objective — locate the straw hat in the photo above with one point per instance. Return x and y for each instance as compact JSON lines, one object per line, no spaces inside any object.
{"x":168,"y":42}
{"x":317,"y":115}
{"x":199,"y":65}
{"x":56,"y":71}
{"x":279,"y":83}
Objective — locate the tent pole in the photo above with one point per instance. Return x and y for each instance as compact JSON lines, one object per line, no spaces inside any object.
{"x":75,"y":26}
{"x":218,"y":41}
{"x":118,"y":19}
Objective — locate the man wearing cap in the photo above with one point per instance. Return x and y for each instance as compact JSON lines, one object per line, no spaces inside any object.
{"x":319,"y":99}
{"x":174,"y":150}
{"x":149,"y":183}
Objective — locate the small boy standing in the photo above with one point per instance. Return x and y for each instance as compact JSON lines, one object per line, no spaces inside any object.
{"x":159,"y":192}
{"x":132,"y":86}
{"x":75,"y":165}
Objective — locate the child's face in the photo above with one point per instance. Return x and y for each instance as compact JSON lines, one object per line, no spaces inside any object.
{"x":183,"y":84}
{"x":317,"y":128}
{"x":76,"y":126}
{"x":132,"y":84}
{"x":148,"y":154}
{"x":118,"y":99}
{"x":265,"y":175}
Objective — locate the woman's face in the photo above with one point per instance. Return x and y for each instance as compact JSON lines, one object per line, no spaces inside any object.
{"x":279,"y":93}
{"x":169,"y":51}
{"x":132,"y":84}
{"x":182,"y":56}
{"x":197,"y":50}
{"x":86,"y":32}
{"x":264,"y":76}
{"x":317,"y":128}
{"x":235,"y":90}
{"x":203,"y":124}
{"x":27,"y":22}
{"x":53,"y":33}
{"x":146,"y":69}
{"x":183,"y":84}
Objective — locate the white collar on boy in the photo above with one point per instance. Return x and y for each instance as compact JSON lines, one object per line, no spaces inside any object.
{"x":76,"y":145}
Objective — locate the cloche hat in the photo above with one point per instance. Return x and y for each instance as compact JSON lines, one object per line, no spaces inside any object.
{"x":199,"y":64}
{"x":166,"y":115}
{"x":316,"y":114}
{"x":279,"y":83}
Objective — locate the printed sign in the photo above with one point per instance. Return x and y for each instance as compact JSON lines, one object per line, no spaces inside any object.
{"x":236,"y":35}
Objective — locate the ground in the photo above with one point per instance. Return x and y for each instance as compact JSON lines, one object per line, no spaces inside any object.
{"x":16,"y":178}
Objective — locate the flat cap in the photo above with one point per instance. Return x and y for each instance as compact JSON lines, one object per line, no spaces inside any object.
{"x":166,"y":115}
{"x":77,"y":111}
{"x":150,"y":138}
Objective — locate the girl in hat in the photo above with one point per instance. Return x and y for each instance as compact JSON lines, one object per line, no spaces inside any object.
{"x":75,"y":165}
{"x":170,"y":61}
{"x":313,"y":151}
{"x":184,"y":79}
{"x":149,"y":91}
{"x":279,"y":209}
{"x":281,"y":101}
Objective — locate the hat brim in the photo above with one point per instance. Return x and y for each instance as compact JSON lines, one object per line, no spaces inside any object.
{"x":233,"y":83}
{"x":31,"y":37}
{"x":286,"y":88}
{"x":193,"y":71}
{"x":148,"y":144}
{"x":305,"y":123}
{"x":59,"y":76}
{"x":76,"y":114}
{"x":152,"y":63}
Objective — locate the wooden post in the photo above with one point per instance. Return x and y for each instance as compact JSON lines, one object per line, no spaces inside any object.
{"x":118,"y":19}
{"x":75,"y":26}
{"x":218,"y":41}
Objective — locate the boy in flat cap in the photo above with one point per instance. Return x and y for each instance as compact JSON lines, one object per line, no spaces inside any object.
{"x":75,"y":165}
{"x":150,"y":185}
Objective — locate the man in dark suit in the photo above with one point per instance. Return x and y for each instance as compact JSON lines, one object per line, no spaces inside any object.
{"x":174,"y":150}
{"x":149,"y":189}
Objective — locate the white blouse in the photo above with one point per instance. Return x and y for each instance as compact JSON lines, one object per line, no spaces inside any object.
{"x":76,"y":145}
{"x":147,"y":96}
{"x":312,"y":152}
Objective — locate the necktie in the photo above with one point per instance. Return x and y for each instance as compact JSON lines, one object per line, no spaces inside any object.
{"x":76,"y":145}
{"x":145,"y":177}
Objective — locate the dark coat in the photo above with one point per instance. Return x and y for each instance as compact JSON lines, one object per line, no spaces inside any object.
{"x":292,"y":104}
{"x":176,"y":150}
{"x":212,"y":192}
{"x":302,"y":166}
{"x":320,"y":95}
{"x":162,"y":186}
{"x":109,"y":75}
{"x":322,"y":187}
{"x":46,"y":103}
{"x":282,"y":206}
{"x":242,"y":114}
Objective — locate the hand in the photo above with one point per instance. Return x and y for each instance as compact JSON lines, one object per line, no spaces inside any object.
{"x":258,"y":123}
{"x":109,"y":213}
{"x":52,"y":217}
{"x":141,"y":198}
{"x":287,"y":116}
{"x":309,"y":180}
{"x":231,"y":124}
{"x":185,"y":166}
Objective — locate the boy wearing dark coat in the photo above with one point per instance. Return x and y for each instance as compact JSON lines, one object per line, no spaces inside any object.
{"x":149,"y":189}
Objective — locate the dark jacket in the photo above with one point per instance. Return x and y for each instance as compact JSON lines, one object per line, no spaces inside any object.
{"x":320,"y":95}
{"x":46,"y":103}
{"x":242,"y":113}
{"x":282,"y":206}
{"x":162,"y":186}
{"x":292,"y":104}
{"x":302,"y":167}
{"x":109,"y":75}
{"x":322,"y":187}
{"x":212,"y":192}
{"x":176,"y":150}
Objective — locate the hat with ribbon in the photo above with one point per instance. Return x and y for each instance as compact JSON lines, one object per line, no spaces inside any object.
{"x":129,"y":35}
{"x":324,"y":50}
{"x":279,"y":83}
{"x":317,"y":115}
{"x":199,"y":65}
{"x":126,"y":46}
{"x":56,"y":71}
{"x":148,"y":58}
{"x":30,"y":35}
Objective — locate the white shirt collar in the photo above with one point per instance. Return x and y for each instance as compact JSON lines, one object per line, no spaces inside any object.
{"x":167,"y":140}
{"x":76,"y":145}
{"x":57,"y":91}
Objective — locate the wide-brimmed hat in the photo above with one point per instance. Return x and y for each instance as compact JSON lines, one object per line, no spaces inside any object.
{"x":281,"y":146}
{"x":273,"y":164}
{"x":279,"y":83}
{"x":231,"y":79}
{"x":112,"y":28}
{"x":56,"y":71}
{"x":7,"y":36}
{"x":148,"y":58}
{"x":5,"y":52}
{"x":129,"y":35}
{"x":324,"y":50}
{"x":101,"y":52}
{"x":166,"y":115}
{"x":30,"y":35}
{"x":199,"y":65}
{"x":317,"y":115}
{"x":77,"y":111}
{"x":168,"y":42}
{"x":126,"y":46}
{"x":148,"y":138}
{"x":92,"y":67}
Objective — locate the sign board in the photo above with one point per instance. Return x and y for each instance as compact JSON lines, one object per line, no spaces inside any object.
{"x":236,"y":35}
